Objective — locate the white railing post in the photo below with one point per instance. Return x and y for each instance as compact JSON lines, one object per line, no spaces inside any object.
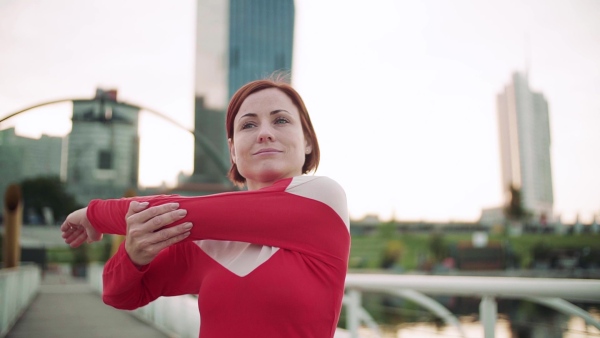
{"x":353,"y":312}
{"x":488,"y":313}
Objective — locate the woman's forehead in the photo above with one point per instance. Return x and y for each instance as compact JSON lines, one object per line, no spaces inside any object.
{"x":266,"y":101}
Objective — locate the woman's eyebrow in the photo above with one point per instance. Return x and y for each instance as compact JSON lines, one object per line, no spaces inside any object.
{"x":276,"y":111}
{"x":279,"y":111}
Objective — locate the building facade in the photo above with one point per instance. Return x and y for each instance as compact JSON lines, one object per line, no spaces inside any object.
{"x":23,"y":157}
{"x":237,"y":41}
{"x":103,"y":148}
{"x":524,"y":129}
{"x":261,"y":38}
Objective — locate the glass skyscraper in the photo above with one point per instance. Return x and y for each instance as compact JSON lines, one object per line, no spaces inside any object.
{"x":260,"y":39}
{"x":237,"y":41}
{"x":524,"y":129}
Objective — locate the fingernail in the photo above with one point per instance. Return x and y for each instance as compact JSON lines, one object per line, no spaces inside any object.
{"x":144,"y":204}
{"x":181,"y":212}
{"x":174,"y":206}
{"x":186,"y":234}
{"x":187,"y":225}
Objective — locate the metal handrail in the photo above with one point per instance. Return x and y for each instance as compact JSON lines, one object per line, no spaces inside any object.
{"x":551,"y":292}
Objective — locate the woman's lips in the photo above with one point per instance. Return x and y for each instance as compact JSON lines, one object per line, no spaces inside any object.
{"x":267,"y":151}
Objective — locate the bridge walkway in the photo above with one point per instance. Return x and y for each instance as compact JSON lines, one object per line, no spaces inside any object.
{"x":68,"y":307}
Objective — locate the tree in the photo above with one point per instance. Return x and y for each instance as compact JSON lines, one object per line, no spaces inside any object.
{"x":438,"y":246}
{"x":48,"y":191}
{"x":516,"y":215}
{"x":514,"y":209}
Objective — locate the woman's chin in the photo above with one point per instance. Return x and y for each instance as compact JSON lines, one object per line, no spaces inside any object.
{"x":269,"y":175}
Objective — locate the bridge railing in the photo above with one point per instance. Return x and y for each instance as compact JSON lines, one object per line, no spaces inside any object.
{"x":18,"y":287}
{"x":176,"y":316}
{"x":551,"y":292}
{"x":180,"y":314}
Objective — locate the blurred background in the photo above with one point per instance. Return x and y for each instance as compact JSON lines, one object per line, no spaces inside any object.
{"x":403,"y":94}
{"x":465,"y":133}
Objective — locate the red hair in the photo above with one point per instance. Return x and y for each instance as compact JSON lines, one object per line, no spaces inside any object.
{"x":311,"y":161}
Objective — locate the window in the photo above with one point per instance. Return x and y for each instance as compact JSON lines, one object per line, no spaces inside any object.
{"x":105,"y":159}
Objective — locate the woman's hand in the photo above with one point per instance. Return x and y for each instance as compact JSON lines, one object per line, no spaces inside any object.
{"x":145,"y":238}
{"x":77,"y":229}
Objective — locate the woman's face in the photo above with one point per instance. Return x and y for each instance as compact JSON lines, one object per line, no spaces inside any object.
{"x":268,"y":141}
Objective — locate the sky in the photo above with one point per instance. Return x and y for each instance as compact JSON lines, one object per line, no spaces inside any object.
{"x":402,"y":94}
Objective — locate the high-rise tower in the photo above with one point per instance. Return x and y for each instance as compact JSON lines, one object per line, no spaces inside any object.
{"x":103,"y":148}
{"x":237,"y":41}
{"x":524,"y":129}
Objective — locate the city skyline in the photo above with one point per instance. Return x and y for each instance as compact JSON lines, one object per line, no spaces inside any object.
{"x":402,"y":95}
{"x":525,"y":144}
{"x":235,"y":44}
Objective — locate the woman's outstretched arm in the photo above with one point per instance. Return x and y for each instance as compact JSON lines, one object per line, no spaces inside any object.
{"x":305,"y":214}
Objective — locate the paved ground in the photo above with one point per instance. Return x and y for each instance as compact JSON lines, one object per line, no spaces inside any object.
{"x":68,"y":307}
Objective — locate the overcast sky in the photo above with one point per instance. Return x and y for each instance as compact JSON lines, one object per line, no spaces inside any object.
{"x":402,"y":93}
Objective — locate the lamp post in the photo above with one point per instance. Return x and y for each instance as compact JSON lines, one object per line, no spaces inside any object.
{"x":13,"y":219}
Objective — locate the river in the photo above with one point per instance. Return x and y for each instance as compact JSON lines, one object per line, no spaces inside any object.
{"x":516,"y":319}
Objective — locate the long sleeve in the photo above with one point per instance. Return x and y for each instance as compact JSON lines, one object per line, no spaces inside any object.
{"x":290,"y":214}
{"x":127,"y":287}
{"x":279,"y":252}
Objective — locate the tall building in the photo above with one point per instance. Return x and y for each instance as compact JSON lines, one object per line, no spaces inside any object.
{"x":261,"y":38}
{"x":103,"y":148}
{"x":23,"y":157}
{"x":237,"y":41}
{"x":524,"y":129}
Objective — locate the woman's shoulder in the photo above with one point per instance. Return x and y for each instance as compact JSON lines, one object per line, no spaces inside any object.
{"x":314,"y":182}
{"x":322,"y":189}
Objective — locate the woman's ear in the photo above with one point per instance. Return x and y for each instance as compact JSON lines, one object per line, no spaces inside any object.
{"x":231,"y":150}
{"x":308,"y":146}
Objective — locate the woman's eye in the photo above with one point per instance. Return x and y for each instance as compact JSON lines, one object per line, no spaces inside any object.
{"x":281,"y":120}
{"x":248,"y":125}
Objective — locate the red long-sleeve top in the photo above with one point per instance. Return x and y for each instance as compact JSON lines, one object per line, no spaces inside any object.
{"x":264,"y":263}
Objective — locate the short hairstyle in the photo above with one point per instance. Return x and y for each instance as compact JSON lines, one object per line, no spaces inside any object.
{"x":311,"y":161}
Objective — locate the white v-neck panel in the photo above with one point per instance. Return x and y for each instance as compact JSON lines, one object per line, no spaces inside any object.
{"x":238,"y":257}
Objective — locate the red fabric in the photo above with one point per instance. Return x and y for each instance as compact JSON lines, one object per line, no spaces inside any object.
{"x":296,"y":293}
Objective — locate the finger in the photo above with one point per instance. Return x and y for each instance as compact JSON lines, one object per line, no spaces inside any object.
{"x":68,"y":232}
{"x":65,"y":226}
{"x":158,"y":216}
{"x":72,"y":233}
{"x":166,"y":234}
{"x":161,"y":221}
{"x":78,"y":240}
{"x":135,"y":207}
{"x":164,"y":244}
{"x":146,"y":215}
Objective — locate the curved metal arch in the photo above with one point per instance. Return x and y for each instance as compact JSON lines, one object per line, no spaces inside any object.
{"x":198,"y":138}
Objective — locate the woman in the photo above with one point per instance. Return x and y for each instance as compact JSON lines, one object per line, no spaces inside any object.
{"x":267,"y":262}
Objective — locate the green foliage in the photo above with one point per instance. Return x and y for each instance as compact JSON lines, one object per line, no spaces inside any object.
{"x":105,"y":252}
{"x":95,"y":253}
{"x":49,"y":191}
{"x":80,"y":255}
{"x":387,"y":230}
{"x":391,"y":254}
{"x":541,"y":251}
{"x":366,"y":251}
{"x":515,"y":210}
{"x":438,"y":246}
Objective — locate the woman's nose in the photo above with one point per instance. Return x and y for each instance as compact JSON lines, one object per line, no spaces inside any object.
{"x":265,"y":134}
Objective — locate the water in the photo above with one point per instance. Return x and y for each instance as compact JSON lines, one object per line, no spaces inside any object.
{"x":516,"y":319}
{"x":573,"y":328}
